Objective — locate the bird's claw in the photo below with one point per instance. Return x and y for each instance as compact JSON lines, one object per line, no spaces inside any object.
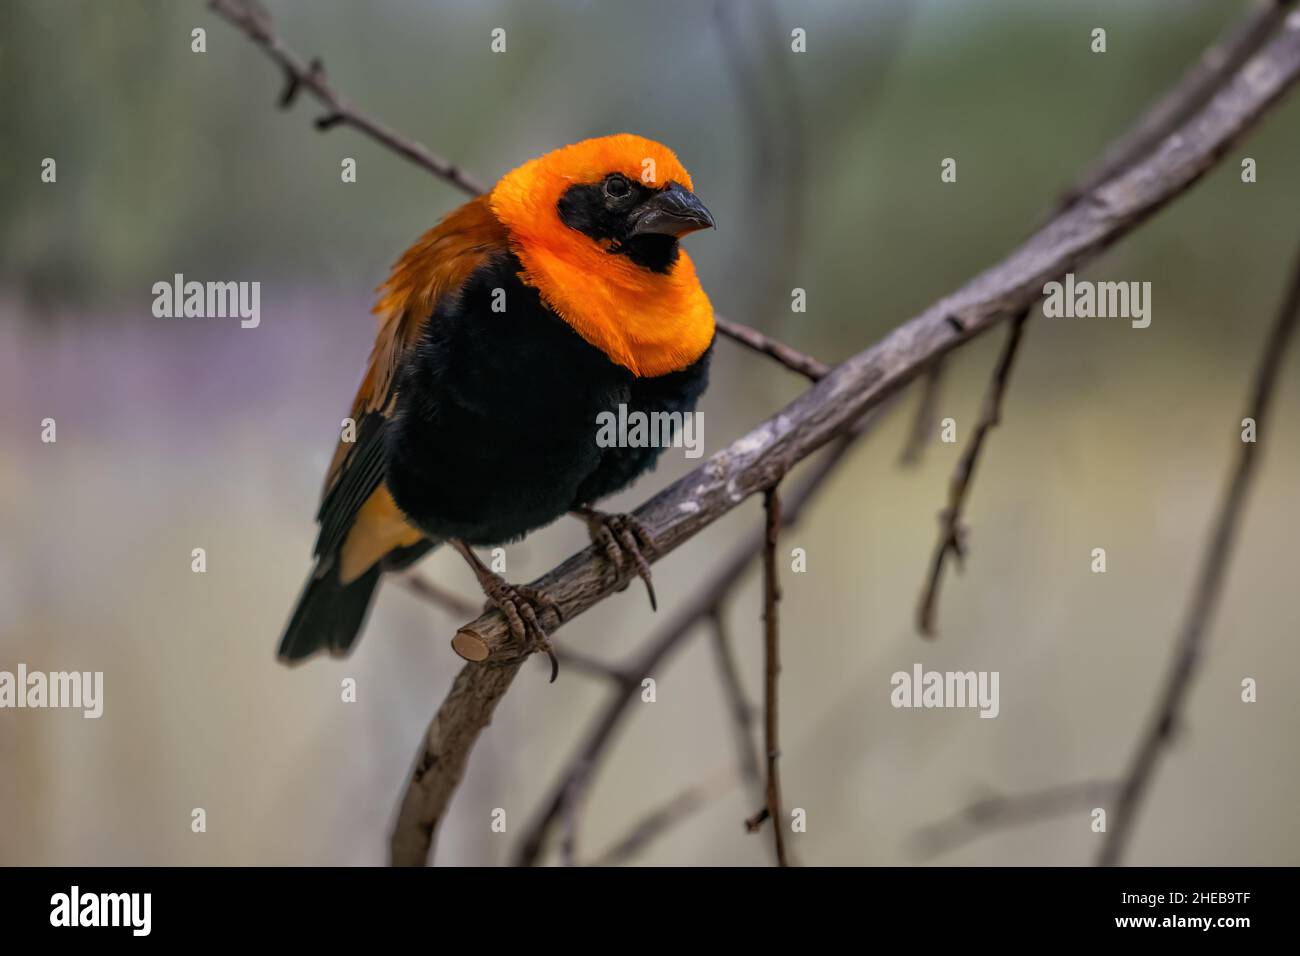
{"x":522,"y":606}
{"x":623,"y":537}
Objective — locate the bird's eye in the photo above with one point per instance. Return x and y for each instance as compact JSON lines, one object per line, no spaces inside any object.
{"x":616,"y":186}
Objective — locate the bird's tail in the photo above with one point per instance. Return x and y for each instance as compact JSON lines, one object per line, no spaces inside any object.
{"x":329,"y":614}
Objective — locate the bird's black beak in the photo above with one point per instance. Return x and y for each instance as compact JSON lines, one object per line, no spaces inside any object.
{"x":673,"y":211}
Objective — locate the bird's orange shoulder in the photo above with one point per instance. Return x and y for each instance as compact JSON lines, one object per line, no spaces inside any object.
{"x":437,"y":265}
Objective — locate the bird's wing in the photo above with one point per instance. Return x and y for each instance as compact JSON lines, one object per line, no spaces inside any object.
{"x":353,"y":505}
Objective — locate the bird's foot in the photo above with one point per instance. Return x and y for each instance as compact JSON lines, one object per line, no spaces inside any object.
{"x":622,"y":537}
{"x":521,"y":605}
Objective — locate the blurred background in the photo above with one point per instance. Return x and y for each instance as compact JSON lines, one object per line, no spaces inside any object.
{"x":822,"y":171}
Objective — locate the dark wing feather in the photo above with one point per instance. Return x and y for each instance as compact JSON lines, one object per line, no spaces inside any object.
{"x":361,"y":472}
{"x":437,"y":266}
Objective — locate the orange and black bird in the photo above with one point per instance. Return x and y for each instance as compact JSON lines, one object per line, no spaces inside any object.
{"x":504,"y":333}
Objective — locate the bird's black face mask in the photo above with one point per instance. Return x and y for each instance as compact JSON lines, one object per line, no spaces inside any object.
{"x":641,"y":223}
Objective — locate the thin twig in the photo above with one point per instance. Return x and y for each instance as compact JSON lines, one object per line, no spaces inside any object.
{"x":435,"y":594}
{"x":573,"y":801}
{"x":586,"y":664}
{"x":772,"y":669}
{"x":792,"y":359}
{"x":256,"y":25}
{"x":926,"y":418}
{"x":994,"y":813}
{"x":739,"y":708}
{"x":1164,"y":720}
{"x":661,"y":819}
{"x":741,"y":711}
{"x":952,"y":534}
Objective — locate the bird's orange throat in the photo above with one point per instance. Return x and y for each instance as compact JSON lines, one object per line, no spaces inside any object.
{"x":651,"y":323}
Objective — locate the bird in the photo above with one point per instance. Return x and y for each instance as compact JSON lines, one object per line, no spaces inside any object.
{"x":504,"y":333}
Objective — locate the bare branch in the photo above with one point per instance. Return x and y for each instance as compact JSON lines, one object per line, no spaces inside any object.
{"x":952,"y":534}
{"x":792,"y":359}
{"x":741,"y":711}
{"x":925,"y":418}
{"x":437,"y":595}
{"x":664,"y":817}
{"x":1164,"y":721}
{"x":587,"y":664}
{"x":443,"y":753}
{"x":981,"y":817}
{"x":772,"y":669}
{"x":573,"y":801}
{"x":256,"y":26}
{"x":1193,"y":91}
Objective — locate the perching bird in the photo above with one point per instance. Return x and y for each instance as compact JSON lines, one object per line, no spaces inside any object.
{"x":504,"y":333}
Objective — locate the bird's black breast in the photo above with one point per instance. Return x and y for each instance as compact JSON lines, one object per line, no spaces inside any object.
{"x":494,"y":432}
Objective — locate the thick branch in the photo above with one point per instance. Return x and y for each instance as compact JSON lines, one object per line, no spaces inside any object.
{"x":441,"y":762}
{"x":1192,"y":91}
{"x":1209,"y":585}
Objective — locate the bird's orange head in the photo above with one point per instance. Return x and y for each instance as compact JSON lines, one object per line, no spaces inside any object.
{"x":596,"y":227}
